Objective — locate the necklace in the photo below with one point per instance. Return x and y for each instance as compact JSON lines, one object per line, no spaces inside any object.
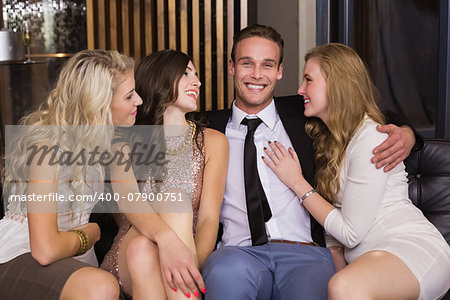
{"x":187,"y":140}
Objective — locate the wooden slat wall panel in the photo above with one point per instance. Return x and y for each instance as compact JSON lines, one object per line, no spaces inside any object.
{"x":161,"y":31}
{"x":90,"y":23}
{"x":184,"y":26}
{"x":137,"y":30}
{"x":101,"y":24}
{"x":148,"y":27}
{"x":196,"y":33}
{"x":125,"y":27}
{"x":172,"y":24}
{"x":219,"y":50}
{"x":196,"y":27}
{"x":113,"y":24}
{"x":207,"y":57}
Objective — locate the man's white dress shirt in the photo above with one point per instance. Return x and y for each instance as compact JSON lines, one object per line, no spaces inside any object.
{"x":290,"y":220}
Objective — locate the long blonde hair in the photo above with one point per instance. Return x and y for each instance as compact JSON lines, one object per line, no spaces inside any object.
{"x":82,"y":96}
{"x":351,"y":96}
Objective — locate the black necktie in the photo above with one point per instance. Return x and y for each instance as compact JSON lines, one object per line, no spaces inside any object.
{"x":258,"y":210}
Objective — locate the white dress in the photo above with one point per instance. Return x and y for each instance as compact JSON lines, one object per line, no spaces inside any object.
{"x":14,"y":235}
{"x":373,"y":212}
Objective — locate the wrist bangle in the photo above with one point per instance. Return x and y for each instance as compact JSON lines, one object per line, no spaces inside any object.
{"x":84,"y":241}
{"x":307,"y":195}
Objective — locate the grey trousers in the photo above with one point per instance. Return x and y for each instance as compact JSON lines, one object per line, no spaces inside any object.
{"x":271,"y":271}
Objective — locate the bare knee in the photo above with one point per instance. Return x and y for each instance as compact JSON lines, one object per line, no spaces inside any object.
{"x":142,"y":254}
{"x":91,"y":283}
{"x":108,"y":287}
{"x":341,"y":286}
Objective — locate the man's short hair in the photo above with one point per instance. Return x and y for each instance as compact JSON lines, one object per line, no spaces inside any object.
{"x":257,"y":30}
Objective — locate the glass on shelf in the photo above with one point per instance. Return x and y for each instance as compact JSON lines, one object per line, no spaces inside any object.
{"x":27,"y":38}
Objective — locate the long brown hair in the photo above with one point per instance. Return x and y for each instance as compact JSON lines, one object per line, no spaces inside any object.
{"x":157,"y":78}
{"x":352,"y":94}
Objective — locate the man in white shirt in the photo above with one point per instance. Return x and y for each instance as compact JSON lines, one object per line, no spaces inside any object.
{"x":286,"y":263}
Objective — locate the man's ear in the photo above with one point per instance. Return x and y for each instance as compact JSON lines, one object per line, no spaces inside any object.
{"x":231,"y":67}
{"x":280,"y":72}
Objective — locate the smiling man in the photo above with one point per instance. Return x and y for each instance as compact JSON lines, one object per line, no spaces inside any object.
{"x":270,"y":245}
{"x":256,"y":68}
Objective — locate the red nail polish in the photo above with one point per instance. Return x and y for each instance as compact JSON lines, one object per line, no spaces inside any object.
{"x":188,"y":295}
{"x":175,"y":290}
{"x":196,"y":294}
{"x":203,"y":290}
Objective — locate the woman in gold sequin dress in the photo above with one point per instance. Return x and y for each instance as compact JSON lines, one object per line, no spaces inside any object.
{"x":159,"y":255}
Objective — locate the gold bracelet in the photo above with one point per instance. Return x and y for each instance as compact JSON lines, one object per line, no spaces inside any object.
{"x":84,"y":241}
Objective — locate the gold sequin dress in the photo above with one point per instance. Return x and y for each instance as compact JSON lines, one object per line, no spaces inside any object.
{"x":182,"y":173}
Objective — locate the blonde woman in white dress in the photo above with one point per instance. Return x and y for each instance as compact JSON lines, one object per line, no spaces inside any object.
{"x":46,"y":247}
{"x":392,"y":250}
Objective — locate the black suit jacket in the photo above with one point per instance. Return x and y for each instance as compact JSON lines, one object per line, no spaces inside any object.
{"x":290,"y":109}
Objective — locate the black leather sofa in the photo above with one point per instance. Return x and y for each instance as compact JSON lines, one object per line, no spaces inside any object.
{"x":429,"y":183}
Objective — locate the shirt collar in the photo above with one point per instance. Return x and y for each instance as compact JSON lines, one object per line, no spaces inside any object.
{"x":268,"y":115}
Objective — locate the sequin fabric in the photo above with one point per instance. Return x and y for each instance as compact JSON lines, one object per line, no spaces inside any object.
{"x":185,"y":172}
